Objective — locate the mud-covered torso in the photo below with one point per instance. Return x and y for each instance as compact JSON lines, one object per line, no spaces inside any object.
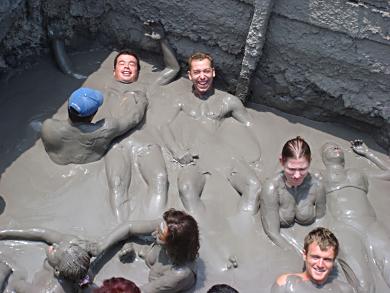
{"x":347,"y":195}
{"x":295,"y":284}
{"x":197,"y":130}
{"x":164,"y":276}
{"x":297,"y":204}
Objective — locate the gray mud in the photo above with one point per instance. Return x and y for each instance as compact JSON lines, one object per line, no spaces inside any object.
{"x":74,"y":198}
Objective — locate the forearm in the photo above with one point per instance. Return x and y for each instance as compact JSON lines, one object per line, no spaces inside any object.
{"x":125,"y":230}
{"x":34,"y":234}
{"x":271,"y":227}
{"x":378,"y":162}
{"x":169,"y":140}
{"x":172,"y":67}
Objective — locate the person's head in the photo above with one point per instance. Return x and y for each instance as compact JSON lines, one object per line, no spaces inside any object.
{"x":179,"y":234}
{"x":319,"y":253}
{"x":83,"y":104}
{"x":126,"y":66}
{"x":332,"y":154}
{"x":222,"y":288}
{"x":69,"y":261}
{"x":295,"y":160}
{"x":117,"y":285}
{"x":201,"y":72}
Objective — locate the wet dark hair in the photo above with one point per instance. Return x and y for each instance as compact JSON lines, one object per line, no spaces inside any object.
{"x":182,"y":239}
{"x":296,"y":148}
{"x":324,"y":238}
{"x":222,"y":288}
{"x":128,"y":52}
{"x":199,"y":56}
{"x":118,"y":285}
{"x":74,"y":262}
{"x":75,"y":118}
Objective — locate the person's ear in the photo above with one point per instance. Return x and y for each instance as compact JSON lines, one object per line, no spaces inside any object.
{"x":56,"y":272}
{"x":281,"y":160}
{"x":189,"y":75}
{"x":213,"y":72}
{"x":304,"y":255}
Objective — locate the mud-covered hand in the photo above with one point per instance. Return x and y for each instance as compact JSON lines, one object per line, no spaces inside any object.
{"x":359,"y":147}
{"x":154,"y":30}
{"x":185,"y":157}
{"x":91,"y":247}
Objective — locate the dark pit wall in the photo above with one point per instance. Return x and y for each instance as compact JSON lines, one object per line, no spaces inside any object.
{"x":326,"y":60}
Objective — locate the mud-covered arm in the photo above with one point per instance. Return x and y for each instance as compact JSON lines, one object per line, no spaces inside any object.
{"x":34,"y":234}
{"x":276,"y":288}
{"x":178,"y":152}
{"x":174,"y":280}
{"x":124,"y":231}
{"x":237,"y":110}
{"x":359,"y":147}
{"x":172,"y":67}
{"x":269,"y":210}
{"x":234,"y":107}
{"x":320,"y":200}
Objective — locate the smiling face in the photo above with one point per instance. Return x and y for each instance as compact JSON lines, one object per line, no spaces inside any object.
{"x":126,"y":69}
{"x":319,"y":263}
{"x":202,"y":75}
{"x":295,"y":170}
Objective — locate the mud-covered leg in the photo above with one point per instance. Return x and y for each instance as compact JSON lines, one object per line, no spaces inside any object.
{"x":379,"y":240}
{"x":5,"y":272}
{"x":118,"y":171}
{"x":354,"y":260}
{"x":190,"y":183}
{"x":153,"y":170}
{"x":245,"y":181}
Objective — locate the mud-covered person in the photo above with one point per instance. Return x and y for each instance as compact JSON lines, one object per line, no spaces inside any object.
{"x":206,"y":150}
{"x":292,"y":196}
{"x":140,"y":148}
{"x":77,"y":139}
{"x":320,"y":251}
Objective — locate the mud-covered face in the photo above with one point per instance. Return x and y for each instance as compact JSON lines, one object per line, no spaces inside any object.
{"x":295,"y":170}
{"x":126,"y":69}
{"x":319,"y":263}
{"x":54,"y":254}
{"x":331,"y":152}
{"x":201,"y":75}
{"x":162,"y":233}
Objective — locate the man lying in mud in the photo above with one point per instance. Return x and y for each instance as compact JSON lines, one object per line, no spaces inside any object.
{"x":77,"y":140}
{"x":204,"y":150}
{"x":319,"y":254}
{"x":138,"y":148}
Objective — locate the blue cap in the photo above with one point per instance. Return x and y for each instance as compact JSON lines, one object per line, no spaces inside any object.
{"x":85,"y":101}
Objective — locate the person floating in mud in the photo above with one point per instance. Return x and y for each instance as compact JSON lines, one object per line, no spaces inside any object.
{"x":78,"y":140}
{"x":64,"y":269}
{"x":171,"y":258}
{"x":199,"y":148}
{"x":320,"y":251}
{"x":348,"y":204}
{"x":139,"y":148}
{"x":294,"y":195}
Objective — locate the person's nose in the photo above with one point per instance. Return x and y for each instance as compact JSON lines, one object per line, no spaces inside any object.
{"x":320,"y":262}
{"x":297,"y":174}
